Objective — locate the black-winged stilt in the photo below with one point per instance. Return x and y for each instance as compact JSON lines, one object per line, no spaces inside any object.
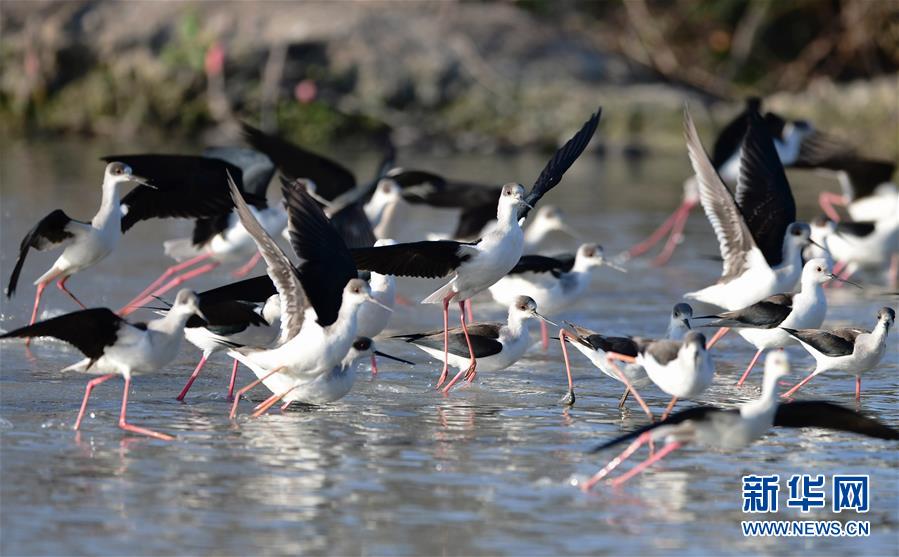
{"x":732,"y":429}
{"x":114,"y":346}
{"x":476,"y":265}
{"x":851,"y":350}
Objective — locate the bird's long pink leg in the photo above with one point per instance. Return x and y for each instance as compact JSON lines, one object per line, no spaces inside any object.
{"x":544,"y":336}
{"x":271,"y":402}
{"x":233,"y":380}
{"x":669,"y":408}
{"x":245,"y":269}
{"x":827,"y":200}
{"x":61,"y":284}
{"x":193,"y":377}
{"x":468,"y":310}
{"x":671,"y":447}
{"x":718,"y":336}
{"x":627,"y":383}
{"x":562,"y":334}
{"x":677,"y":233}
{"x":616,"y":462}
{"x":37,"y":303}
{"x":894,"y":271}
{"x":798,"y":385}
{"x":655,"y":237}
{"x":751,"y":365}
{"x":374,"y":365}
{"x":177,"y":268}
{"x":858,"y":388}
{"x":445,"y":372}
{"x":180,"y":279}
{"x":472,"y":370}
{"x":242,"y":391}
{"x":133,"y":428}
{"x":87,"y":394}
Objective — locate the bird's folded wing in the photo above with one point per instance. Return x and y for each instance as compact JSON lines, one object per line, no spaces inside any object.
{"x":734,"y":239}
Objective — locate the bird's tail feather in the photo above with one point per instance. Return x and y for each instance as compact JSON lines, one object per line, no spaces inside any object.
{"x":438,"y":295}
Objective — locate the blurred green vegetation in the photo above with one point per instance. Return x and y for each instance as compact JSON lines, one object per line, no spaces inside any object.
{"x":709,"y":49}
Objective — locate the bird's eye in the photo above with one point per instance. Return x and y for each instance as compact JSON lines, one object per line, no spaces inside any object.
{"x":385,"y":188}
{"x":820,"y":269}
{"x":797,"y":232}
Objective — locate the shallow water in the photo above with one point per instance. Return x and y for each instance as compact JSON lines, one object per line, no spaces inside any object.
{"x":395,"y":468}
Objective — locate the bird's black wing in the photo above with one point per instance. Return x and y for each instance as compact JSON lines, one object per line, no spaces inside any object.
{"x":415,"y":259}
{"x":619,"y":345}
{"x":542,"y":264}
{"x":255,"y":290}
{"x":257,"y":168}
{"x":731,"y":136}
{"x":766,"y":314}
{"x":54,"y":230}
{"x":816,"y":413}
{"x":484,"y":340}
{"x":695,"y":413}
{"x":226,"y":313}
{"x":763,"y":193}
{"x":325,"y":261}
{"x":864,"y":175}
{"x":839,"y":342}
{"x":331,"y":178}
{"x":187,"y":186}
{"x":855,"y":228}
{"x":88,"y":330}
{"x":353,"y":226}
{"x":560,"y":162}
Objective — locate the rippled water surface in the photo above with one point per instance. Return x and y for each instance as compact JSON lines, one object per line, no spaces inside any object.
{"x":396,"y":468}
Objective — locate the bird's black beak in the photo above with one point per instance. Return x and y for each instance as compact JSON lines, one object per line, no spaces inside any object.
{"x":687,"y":323}
{"x":394,"y":358}
{"x":538,"y":316}
{"x":855,"y":284}
{"x":141,"y":181}
{"x":819,"y":246}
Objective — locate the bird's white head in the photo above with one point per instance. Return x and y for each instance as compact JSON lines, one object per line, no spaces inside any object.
{"x":357,"y":292}
{"x":187,"y":303}
{"x":511,"y":199}
{"x":777,"y":365}
{"x":119,"y":173}
{"x":590,"y":255}
{"x":816,"y":271}
{"x":524,"y":308}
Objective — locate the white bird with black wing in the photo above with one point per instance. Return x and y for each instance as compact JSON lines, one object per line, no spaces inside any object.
{"x":760,"y":324}
{"x":320,"y":298}
{"x":496,"y":345}
{"x":114,"y":346}
{"x":854,"y":351}
{"x":83,"y":243}
{"x":474,"y":266}
{"x":735,"y":428}
{"x":555,"y":283}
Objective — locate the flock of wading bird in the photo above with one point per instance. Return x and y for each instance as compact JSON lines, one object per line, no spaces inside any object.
{"x":307,"y":325}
